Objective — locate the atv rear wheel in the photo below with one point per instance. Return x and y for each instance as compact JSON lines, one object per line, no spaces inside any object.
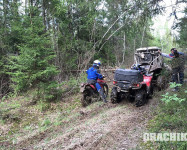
{"x":115,"y":98}
{"x":140,"y":98}
{"x":87,"y":98}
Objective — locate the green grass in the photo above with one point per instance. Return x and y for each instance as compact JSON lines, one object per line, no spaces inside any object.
{"x":170,"y":117}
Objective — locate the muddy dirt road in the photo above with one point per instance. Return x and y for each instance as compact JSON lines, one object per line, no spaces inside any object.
{"x":98,"y":126}
{"x":69,"y":126}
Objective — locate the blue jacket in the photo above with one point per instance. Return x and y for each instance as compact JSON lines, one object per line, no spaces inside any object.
{"x":171,"y":55}
{"x":93,"y":74}
{"x":176,"y":62}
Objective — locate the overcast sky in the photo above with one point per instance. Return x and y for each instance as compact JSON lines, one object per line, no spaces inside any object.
{"x":160,"y":20}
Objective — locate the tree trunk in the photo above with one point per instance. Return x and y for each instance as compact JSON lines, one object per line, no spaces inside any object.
{"x":5,"y":12}
{"x":124,"y":48}
{"x":44,"y":14}
{"x":143,"y":35}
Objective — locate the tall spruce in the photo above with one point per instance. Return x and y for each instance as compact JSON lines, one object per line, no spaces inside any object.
{"x":9,"y":38}
{"x":33,"y":65}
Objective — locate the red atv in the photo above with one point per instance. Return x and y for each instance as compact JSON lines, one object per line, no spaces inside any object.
{"x":90,"y":93}
{"x":133,"y":85}
{"x":138,"y":84}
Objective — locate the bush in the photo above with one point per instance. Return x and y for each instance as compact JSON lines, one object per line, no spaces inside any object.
{"x":73,"y":84}
{"x":170,"y":117}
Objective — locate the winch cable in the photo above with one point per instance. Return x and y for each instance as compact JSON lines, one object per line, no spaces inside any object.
{"x":107,"y":74}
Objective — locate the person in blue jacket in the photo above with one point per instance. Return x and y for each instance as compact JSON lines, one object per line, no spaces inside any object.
{"x":177,"y":64}
{"x":93,"y":75}
{"x":172,"y":55}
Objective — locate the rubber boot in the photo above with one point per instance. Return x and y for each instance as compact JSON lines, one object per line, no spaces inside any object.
{"x":176,"y":89}
{"x":101,"y":93}
{"x":181,"y":77}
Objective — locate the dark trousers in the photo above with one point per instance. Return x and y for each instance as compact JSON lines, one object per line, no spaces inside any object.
{"x":178,"y":75}
{"x":99,"y":89}
{"x":97,"y":85}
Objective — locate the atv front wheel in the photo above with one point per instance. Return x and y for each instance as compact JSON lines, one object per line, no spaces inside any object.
{"x":161,"y":82}
{"x":105,"y":90}
{"x":140,"y":98}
